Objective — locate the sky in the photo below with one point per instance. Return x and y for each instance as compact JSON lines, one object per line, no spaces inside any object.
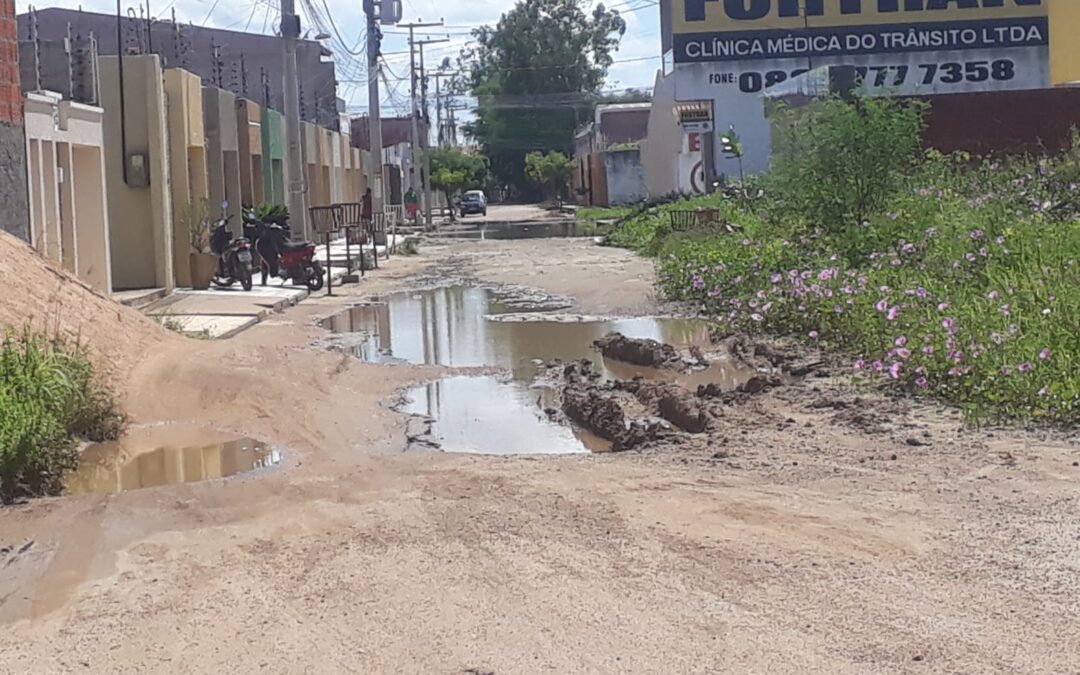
{"x":636,"y":61}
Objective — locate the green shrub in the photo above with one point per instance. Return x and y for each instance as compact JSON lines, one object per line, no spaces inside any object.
{"x":49,"y":401}
{"x":837,"y":163}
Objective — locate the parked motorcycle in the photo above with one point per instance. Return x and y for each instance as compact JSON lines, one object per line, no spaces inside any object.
{"x":234,"y":256}
{"x":287,"y":259}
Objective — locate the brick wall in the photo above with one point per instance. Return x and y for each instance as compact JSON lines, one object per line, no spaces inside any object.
{"x":14,"y":217}
{"x":11,"y":107}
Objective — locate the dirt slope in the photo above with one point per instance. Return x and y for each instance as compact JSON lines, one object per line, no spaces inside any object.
{"x":35,"y":291}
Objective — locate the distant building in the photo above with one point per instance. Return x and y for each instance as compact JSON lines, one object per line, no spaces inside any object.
{"x":247,"y":64}
{"x":607,"y":153}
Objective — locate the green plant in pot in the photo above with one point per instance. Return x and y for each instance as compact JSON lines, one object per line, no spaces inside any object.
{"x":203,"y":262}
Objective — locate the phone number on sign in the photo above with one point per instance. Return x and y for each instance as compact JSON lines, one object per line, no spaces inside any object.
{"x":925,"y":74}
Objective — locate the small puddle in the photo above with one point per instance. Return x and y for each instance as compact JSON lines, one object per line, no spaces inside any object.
{"x":482,"y":231}
{"x":166,"y":455}
{"x":464,"y":326}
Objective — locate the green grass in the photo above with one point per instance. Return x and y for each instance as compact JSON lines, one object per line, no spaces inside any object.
{"x":49,"y":401}
{"x":595,"y":213}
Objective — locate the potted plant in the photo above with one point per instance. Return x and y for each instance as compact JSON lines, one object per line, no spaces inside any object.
{"x":203,"y":262}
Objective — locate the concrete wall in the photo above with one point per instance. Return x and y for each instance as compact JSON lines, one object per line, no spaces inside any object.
{"x":249,"y":137}
{"x":140,"y":216}
{"x":187,"y":164}
{"x":660,"y":149}
{"x":625,"y":176}
{"x":68,"y":209}
{"x":181,"y":45}
{"x":222,"y":154}
{"x":14,"y":217}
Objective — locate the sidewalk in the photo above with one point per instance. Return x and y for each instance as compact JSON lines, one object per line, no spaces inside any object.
{"x":221,"y":313}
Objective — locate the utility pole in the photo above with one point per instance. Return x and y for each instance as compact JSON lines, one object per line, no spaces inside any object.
{"x":290,"y":32}
{"x":439,"y":135}
{"x":426,"y":141}
{"x":414,"y":141}
{"x":375,"y":154}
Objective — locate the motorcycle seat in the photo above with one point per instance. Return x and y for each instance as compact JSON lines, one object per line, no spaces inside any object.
{"x":295,"y":245}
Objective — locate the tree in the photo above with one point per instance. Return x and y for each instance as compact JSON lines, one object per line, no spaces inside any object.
{"x":536,"y":76}
{"x":453,"y":171}
{"x":551,"y":171}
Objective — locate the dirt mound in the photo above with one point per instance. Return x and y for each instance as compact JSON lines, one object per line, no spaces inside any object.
{"x":596,"y":406}
{"x":648,"y":353}
{"x":674,"y":403}
{"x":34,"y":291}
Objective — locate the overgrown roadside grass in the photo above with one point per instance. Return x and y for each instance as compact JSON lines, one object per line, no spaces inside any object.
{"x":954,"y":277}
{"x":50,"y":400}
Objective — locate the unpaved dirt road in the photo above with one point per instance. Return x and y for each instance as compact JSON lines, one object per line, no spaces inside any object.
{"x":827,"y":531}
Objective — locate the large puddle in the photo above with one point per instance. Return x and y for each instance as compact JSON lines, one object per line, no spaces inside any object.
{"x":167,"y":455}
{"x":462,"y":326}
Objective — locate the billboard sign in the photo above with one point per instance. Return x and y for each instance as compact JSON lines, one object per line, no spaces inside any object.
{"x":731,"y":51}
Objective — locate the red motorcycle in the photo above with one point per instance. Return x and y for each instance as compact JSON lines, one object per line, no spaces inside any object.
{"x":287,"y":259}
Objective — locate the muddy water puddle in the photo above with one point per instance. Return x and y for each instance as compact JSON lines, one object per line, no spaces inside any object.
{"x":488,"y":416}
{"x":167,"y":455}
{"x":463,"y":326}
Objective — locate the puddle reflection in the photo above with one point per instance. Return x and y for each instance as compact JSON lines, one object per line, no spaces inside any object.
{"x":486,"y":416}
{"x":166,"y":455}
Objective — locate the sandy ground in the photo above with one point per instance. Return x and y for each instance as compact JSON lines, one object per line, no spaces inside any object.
{"x":829,"y":531}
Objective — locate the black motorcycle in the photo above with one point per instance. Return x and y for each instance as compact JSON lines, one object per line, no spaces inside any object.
{"x":234,"y":256}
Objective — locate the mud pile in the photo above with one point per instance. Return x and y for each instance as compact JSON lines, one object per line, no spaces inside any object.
{"x":648,"y":353}
{"x":597,"y":406}
{"x":36,"y":292}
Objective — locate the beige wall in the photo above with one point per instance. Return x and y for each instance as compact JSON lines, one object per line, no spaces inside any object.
{"x":663,"y":141}
{"x":187,"y":163}
{"x":68,"y":208}
{"x":249,"y":138}
{"x":140,"y":217}
{"x":222,"y":154}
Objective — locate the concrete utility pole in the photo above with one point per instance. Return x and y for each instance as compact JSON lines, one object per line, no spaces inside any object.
{"x":290,"y":32}
{"x":414,"y":140}
{"x":375,"y":155}
{"x":439,"y":135}
{"x":426,"y":141}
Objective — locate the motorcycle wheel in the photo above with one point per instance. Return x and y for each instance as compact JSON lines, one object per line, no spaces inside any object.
{"x":244,"y":274}
{"x":315,"y":279}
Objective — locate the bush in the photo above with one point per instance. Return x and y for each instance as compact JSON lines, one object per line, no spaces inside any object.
{"x":49,"y":401}
{"x":837,"y":163}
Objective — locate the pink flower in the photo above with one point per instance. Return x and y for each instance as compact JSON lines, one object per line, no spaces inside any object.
{"x":900,"y":341}
{"x":954,"y":372}
{"x":894,"y":370}
{"x":1025,"y":367}
{"x":757,"y":317}
{"x":894,"y":312}
{"x":878,"y":366}
{"x":881,"y":305}
{"x":948,"y":323}
{"x":993,"y":295}
{"x":1044,"y":354}
{"x":859,"y":365}
{"x":1045,"y":391}
{"x":814,"y":334}
{"x":942,"y":307}
{"x":922,"y":383}
{"x":928,"y":350}
{"x":903,"y":353}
